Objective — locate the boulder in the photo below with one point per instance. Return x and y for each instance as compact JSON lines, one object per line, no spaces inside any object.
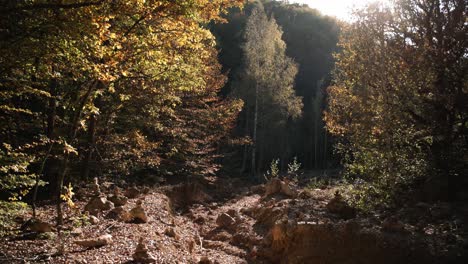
{"x":98,"y":204}
{"x":95,"y":242}
{"x":141,"y":254}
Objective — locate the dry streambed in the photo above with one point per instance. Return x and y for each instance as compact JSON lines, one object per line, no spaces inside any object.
{"x":274,"y":223}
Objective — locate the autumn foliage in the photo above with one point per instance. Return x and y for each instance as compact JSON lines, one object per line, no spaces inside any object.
{"x":109,"y":87}
{"x":398,"y":103}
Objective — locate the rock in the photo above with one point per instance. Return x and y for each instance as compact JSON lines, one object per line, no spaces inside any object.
{"x":141,"y":254}
{"x":248,"y":210}
{"x":305,"y":194}
{"x":47,"y":236}
{"x":132,"y":192}
{"x":77,"y":231}
{"x":95,"y":188}
{"x":138,"y":214}
{"x":170,"y":232}
{"x":199,"y":220}
{"x":97,"y":205}
{"x":118,"y":200}
{"x":233,"y":213}
{"x":93,"y":220}
{"x":36,"y":225}
{"x":190,"y":245}
{"x":119,"y":214}
{"x":241,"y":239}
{"x":186,"y":194}
{"x":268,"y":216}
{"x":392,"y":225}
{"x":204,"y":260}
{"x":219,"y":235}
{"x":258,"y":189}
{"x":225,"y":220}
{"x":96,"y":242}
{"x":277,"y":186}
{"x":338,"y":206}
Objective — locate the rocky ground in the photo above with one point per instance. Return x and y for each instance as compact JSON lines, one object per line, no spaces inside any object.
{"x":209,"y":223}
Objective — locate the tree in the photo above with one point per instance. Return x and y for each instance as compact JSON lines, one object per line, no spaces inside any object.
{"x":398,"y":93}
{"x":78,"y":76}
{"x":311,"y":38}
{"x":266,"y":84}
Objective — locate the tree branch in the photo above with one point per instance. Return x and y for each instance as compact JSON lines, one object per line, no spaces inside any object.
{"x":49,"y":6}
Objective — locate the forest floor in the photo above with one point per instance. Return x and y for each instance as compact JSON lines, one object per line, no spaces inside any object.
{"x":231,"y":221}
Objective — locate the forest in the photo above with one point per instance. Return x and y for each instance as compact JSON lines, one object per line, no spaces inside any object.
{"x":233,"y":131}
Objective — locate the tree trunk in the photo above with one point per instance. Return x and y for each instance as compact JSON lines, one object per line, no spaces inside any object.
{"x":91,"y":144}
{"x":71,"y":137}
{"x":254,"y":139}
{"x":246,"y":147}
{"x":325,"y":154}
{"x":50,"y":131}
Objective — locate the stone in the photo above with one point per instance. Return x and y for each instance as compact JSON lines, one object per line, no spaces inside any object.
{"x":93,"y":220}
{"x":170,"y":232}
{"x":248,"y":210}
{"x":95,"y":242}
{"x":132,"y":192}
{"x":338,"y":206}
{"x":258,"y":189}
{"x":36,"y":225}
{"x":219,"y":235}
{"x":233,"y":213}
{"x":98,"y":204}
{"x":95,"y":188}
{"x":305,"y":194}
{"x":141,"y":254}
{"x":119,"y":214}
{"x":118,"y":200}
{"x":205,"y":260}
{"x":277,"y":186}
{"x":225,"y":220}
{"x":191,"y":245}
{"x":77,"y":231}
{"x":138,"y":214}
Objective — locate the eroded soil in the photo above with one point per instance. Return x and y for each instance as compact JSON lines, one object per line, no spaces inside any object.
{"x":213,"y":224}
